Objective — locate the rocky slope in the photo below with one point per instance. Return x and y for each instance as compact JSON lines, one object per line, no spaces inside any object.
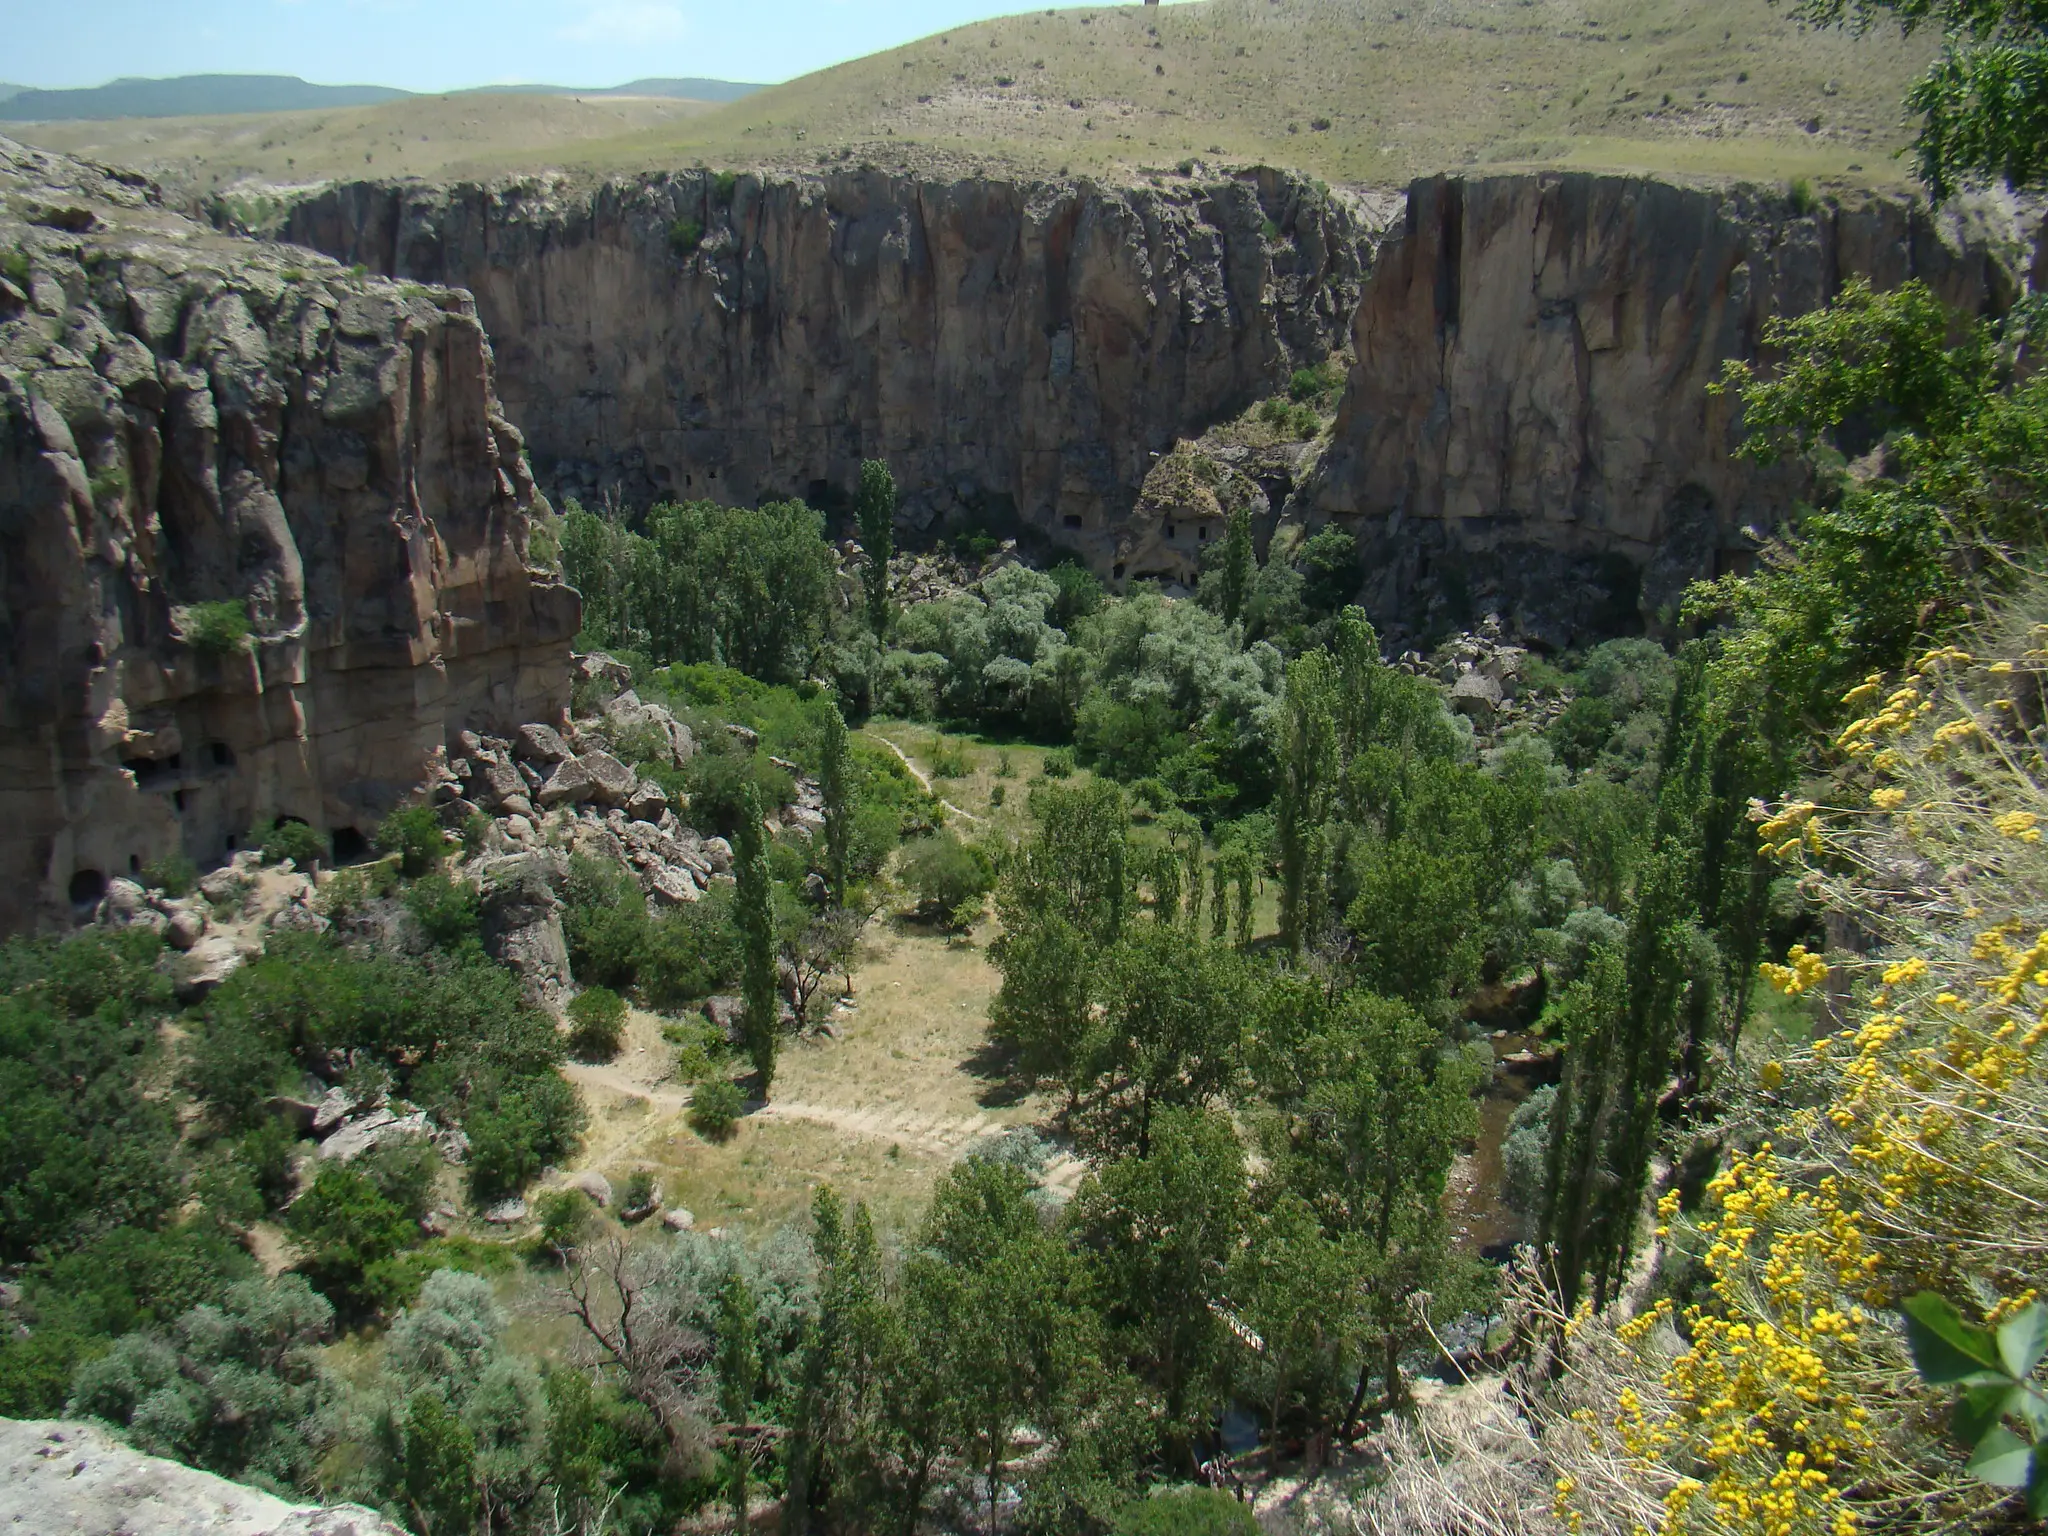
{"x":1016,"y":351}
{"x":1527,"y":426}
{"x":68,"y":1479}
{"x":198,"y":431}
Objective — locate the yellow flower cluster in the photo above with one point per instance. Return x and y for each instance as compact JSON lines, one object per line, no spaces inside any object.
{"x":1805,"y":972}
{"x":1921,"y":1161}
{"x":1762,"y":1420}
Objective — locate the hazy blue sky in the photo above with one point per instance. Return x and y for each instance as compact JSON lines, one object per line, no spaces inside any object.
{"x":427,"y":45}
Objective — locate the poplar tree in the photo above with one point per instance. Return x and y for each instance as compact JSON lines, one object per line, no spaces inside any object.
{"x":835,"y":781}
{"x":1238,"y":563}
{"x":875,"y":513}
{"x":761,"y":1019}
{"x":739,"y":1373}
{"x":1308,"y":763}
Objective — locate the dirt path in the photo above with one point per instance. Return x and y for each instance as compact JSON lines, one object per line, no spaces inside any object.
{"x":922,"y":778}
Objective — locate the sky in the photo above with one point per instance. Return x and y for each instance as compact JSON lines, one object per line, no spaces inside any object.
{"x":434,"y":45}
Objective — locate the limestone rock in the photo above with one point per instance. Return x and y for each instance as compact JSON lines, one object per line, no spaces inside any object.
{"x":718,"y":853}
{"x":205,"y":966}
{"x":332,"y":1110}
{"x":185,"y":928}
{"x":540,"y":744}
{"x":64,"y":1478}
{"x":1121,"y":314}
{"x":630,"y":713}
{"x":507,"y":1213}
{"x":594,"y":776}
{"x":1529,"y":401}
{"x":225,"y":419}
{"x":372,"y":1130}
{"x":678,"y":1220}
{"x":595,"y":1185}
{"x":647,"y":801}
{"x":1475,"y":694}
{"x":521,"y":916}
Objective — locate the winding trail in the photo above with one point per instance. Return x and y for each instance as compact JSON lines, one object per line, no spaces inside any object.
{"x":922,"y":778}
{"x":939,"y":1134}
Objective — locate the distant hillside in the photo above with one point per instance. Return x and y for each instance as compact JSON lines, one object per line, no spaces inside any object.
{"x":679,"y":90}
{"x":241,"y":95}
{"x":186,"y":96}
{"x":1365,"y":92}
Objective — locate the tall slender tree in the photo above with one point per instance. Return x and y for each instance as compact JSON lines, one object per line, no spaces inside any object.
{"x":1308,"y":761}
{"x":835,"y":780}
{"x":739,"y":1374}
{"x":1238,"y":564}
{"x":761,"y":1018}
{"x":875,"y":513}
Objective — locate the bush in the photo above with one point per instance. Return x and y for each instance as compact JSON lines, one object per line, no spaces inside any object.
{"x":1057,"y":764}
{"x":446,"y":911}
{"x":948,"y":877}
{"x":292,"y":840}
{"x":684,"y":236}
{"x":690,"y":954}
{"x":639,"y":1194}
{"x":1186,"y":1512}
{"x":715,"y":1108}
{"x":564,"y":1214}
{"x":996,"y":795}
{"x":414,"y":834}
{"x":597,"y":1020}
{"x":173,"y":874}
{"x":217,"y":629}
{"x":528,"y":1126}
{"x":949,"y":759}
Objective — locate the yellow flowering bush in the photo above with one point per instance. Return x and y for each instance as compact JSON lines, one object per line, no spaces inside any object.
{"x":1907,"y":1150}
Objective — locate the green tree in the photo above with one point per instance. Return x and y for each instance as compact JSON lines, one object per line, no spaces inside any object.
{"x":836,"y":783}
{"x":1238,"y":565}
{"x":875,"y":515}
{"x":1076,"y":865}
{"x":1156,"y":1235}
{"x":991,"y":1299}
{"x":1170,"y":1034}
{"x":440,"y":1467}
{"x":1043,"y":1010}
{"x":1367,"y":1138}
{"x":1308,"y":765}
{"x":761,"y":1021}
{"x":1983,"y":104}
{"x":738,"y":1367}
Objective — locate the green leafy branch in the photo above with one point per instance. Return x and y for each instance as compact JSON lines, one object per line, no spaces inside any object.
{"x":1995,"y":1369}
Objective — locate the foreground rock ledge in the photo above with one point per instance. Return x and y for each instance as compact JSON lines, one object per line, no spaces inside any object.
{"x":61,"y":1478}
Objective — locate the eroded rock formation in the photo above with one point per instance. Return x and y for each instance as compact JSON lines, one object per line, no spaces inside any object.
{"x":70,"y":1479}
{"x":201,"y":434}
{"x":1527,"y":425}
{"x":1013,"y":350}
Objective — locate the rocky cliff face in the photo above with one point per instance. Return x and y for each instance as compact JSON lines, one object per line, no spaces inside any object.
{"x":73,"y":1479}
{"x":1013,"y":350}
{"x":198,"y":431}
{"x":1528,"y":427}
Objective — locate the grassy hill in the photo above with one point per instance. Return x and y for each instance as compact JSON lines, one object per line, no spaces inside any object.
{"x":187,"y":94}
{"x":1359,"y":91}
{"x":469,"y":134}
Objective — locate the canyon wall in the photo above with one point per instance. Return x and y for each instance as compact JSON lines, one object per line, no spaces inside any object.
{"x":1528,"y":427}
{"x":199,"y":432}
{"x":1015,"y":351}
